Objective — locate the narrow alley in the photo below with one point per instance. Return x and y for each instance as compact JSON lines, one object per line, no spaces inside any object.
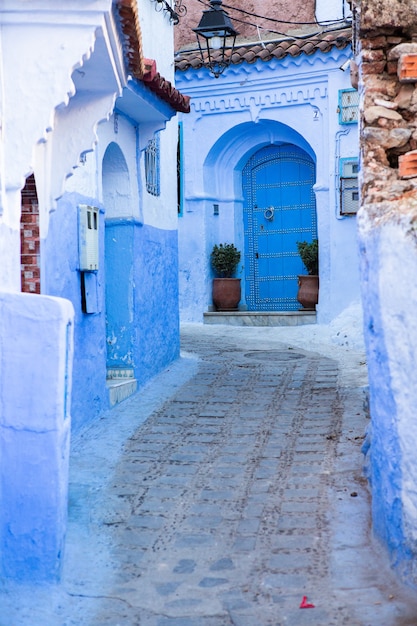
{"x":222,"y":494}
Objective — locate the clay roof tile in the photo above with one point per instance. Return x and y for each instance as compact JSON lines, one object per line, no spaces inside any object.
{"x":279,"y":49}
{"x":128,"y":18}
{"x":308,"y":47}
{"x":265,"y":54}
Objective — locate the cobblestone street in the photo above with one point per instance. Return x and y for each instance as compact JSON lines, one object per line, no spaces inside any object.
{"x":241,"y":493}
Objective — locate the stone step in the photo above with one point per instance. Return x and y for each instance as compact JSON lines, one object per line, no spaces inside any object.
{"x":121,"y":384}
{"x":260,"y":318}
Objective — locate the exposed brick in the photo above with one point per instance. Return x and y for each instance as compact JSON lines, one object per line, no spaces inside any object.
{"x":29,"y":218}
{"x":25,"y":250}
{"x":373,"y":68}
{"x":28,"y":260}
{"x":407,"y":68}
{"x":29,"y":238}
{"x":370,"y":56}
{"x":394,"y":41}
{"x":407,"y":165}
{"x":374,"y":42}
{"x":392,"y":67}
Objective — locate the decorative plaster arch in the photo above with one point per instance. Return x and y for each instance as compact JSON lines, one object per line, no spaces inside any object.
{"x":116,"y":182}
{"x":232,"y":150}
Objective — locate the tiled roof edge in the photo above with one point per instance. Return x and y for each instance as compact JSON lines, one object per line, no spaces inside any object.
{"x":127,"y":14}
{"x":278,"y":49}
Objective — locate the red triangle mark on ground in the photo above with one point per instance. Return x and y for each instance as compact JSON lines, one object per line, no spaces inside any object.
{"x":306,"y":605}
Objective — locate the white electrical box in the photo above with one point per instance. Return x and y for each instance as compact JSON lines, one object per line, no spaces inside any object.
{"x":88,"y":230}
{"x":349,"y":186}
{"x":349,"y":196}
{"x":349,"y":168}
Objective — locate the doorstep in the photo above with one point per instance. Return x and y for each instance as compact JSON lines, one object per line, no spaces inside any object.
{"x":260,"y":318}
{"x":121,"y":384}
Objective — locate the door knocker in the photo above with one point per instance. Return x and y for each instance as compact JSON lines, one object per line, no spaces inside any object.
{"x":269,"y":213}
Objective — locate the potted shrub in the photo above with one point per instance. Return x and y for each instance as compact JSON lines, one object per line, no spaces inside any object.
{"x":224,"y":260}
{"x":308,"y":285}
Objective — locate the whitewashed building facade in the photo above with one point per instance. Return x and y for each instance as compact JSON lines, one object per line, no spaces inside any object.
{"x":88,"y":242}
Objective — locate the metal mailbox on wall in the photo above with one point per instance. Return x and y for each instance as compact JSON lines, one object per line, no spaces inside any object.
{"x":88,"y":229}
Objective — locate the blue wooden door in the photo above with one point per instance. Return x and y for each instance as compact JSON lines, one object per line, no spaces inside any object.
{"x":279,"y":210}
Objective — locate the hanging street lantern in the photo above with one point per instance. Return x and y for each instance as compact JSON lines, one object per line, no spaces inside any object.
{"x":215,"y":35}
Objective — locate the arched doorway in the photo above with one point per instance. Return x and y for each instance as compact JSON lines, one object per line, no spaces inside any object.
{"x":279,"y":210}
{"x":118,"y":262}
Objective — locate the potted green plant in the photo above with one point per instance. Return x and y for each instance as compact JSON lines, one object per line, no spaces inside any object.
{"x":224,"y":260}
{"x":308,"y":285}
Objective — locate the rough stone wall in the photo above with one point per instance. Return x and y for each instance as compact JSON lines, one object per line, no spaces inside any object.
{"x":386,"y":53}
{"x":389,"y":103}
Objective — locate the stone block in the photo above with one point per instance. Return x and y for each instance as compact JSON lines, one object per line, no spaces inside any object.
{"x":404,"y":96}
{"x":373,"y":113}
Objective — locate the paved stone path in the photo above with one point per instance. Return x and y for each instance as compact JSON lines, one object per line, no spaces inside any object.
{"x":239,"y":495}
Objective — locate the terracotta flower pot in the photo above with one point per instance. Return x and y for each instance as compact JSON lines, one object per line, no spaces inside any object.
{"x":308,"y":291}
{"x":226,"y":293}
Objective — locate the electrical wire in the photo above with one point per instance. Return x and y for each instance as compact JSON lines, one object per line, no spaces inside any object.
{"x":272,"y":19}
{"x":283,"y":36}
{"x":313,"y":37}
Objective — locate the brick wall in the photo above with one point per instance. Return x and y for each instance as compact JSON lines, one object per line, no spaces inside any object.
{"x":29,"y":238}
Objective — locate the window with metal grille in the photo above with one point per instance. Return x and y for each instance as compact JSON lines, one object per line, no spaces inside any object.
{"x":348,"y":108}
{"x":152,"y":166}
{"x":349,"y":188}
{"x":180,"y":171}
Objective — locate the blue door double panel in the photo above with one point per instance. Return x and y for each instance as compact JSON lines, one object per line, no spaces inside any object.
{"x":279,"y":210}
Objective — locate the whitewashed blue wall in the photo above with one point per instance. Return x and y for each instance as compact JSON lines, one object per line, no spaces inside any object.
{"x":252,"y":105}
{"x":389,"y":263}
{"x":61,"y":72}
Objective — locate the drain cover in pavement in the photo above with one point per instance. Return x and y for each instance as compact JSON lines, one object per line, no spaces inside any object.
{"x":274,"y":355}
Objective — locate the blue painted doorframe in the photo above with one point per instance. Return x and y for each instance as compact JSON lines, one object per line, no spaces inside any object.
{"x":279,"y":210}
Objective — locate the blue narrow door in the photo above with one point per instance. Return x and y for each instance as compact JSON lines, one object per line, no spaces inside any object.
{"x":279,"y":210}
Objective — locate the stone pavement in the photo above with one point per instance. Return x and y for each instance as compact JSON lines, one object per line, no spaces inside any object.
{"x":220,"y":495}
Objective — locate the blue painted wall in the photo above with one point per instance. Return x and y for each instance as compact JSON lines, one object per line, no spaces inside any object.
{"x":147,"y":293}
{"x":35,"y":382}
{"x":385,"y":458}
{"x":156,"y":270}
{"x":61,"y":277}
{"x":153,"y":317}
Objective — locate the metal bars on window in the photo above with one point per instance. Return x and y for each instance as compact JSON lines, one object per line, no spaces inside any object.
{"x":348,"y":108}
{"x":152,"y":174}
{"x":180,"y":170}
